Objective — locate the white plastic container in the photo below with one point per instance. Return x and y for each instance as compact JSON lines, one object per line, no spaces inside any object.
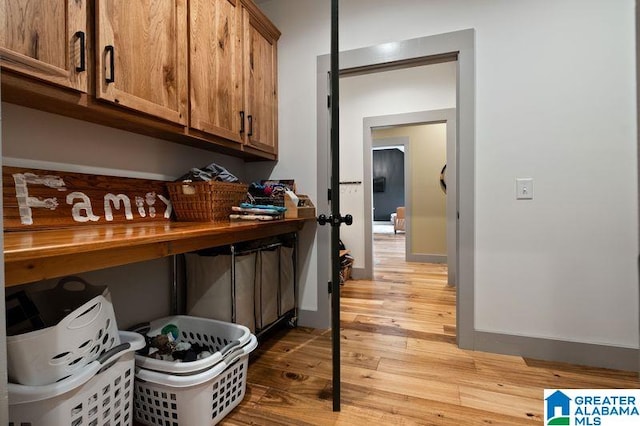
{"x":100,"y":393}
{"x":45,"y":356}
{"x":199,"y":399}
{"x":220,"y":337}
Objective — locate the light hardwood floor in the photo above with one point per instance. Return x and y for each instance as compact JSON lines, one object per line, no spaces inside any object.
{"x":400,"y":364}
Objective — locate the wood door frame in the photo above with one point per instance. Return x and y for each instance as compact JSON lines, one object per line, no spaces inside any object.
{"x":447,"y":116}
{"x":420,"y":51}
{"x":4,"y":402}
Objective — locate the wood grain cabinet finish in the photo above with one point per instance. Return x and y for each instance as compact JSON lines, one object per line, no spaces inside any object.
{"x":45,"y":39}
{"x":261,"y":79}
{"x":142,"y":56}
{"x":215,"y":61}
{"x":198,"y":72}
{"x":233,"y":72}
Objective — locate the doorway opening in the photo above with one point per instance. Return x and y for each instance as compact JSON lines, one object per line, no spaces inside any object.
{"x":430,"y":189}
{"x":458,"y":48}
{"x":388,"y":182}
{"x":426,"y":211}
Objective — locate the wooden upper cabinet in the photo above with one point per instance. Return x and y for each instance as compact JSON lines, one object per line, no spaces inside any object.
{"x":215,"y":59}
{"x":201,"y":72}
{"x":46,"y":39}
{"x":142,"y":56}
{"x":261,"y":80}
{"x":233,"y":72}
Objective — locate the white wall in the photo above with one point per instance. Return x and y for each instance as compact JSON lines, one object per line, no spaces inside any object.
{"x":555,"y":100}
{"x":31,"y":138}
{"x":422,"y":88}
{"x":86,"y":145}
{"x":140,"y":291}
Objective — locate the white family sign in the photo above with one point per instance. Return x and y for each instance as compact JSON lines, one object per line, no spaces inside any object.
{"x":40,"y":198}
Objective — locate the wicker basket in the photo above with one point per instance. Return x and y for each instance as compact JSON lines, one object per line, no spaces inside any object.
{"x":205,"y":201}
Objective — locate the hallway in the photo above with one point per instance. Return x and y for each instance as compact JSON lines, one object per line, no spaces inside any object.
{"x":400,"y":364}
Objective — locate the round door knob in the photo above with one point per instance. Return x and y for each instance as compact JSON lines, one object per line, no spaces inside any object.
{"x":322,"y":220}
{"x":348,"y":219}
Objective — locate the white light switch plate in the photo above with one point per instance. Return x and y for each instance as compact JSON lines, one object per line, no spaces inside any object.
{"x":524,"y":188}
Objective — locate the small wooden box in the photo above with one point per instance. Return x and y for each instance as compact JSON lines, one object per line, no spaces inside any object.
{"x":298,"y":206}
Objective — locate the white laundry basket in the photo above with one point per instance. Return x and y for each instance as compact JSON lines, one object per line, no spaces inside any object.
{"x":100,"y":393}
{"x":220,"y":337}
{"x":45,"y":356}
{"x":200,"y":399}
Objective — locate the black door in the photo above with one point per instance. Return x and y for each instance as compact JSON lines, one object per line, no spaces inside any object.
{"x":335,"y":219}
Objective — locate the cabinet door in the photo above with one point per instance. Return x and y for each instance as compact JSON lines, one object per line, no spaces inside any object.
{"x":261,"y":98}
{"x":142,"y":56}
{"x":45,"y":39}
{"x":215,"y":59}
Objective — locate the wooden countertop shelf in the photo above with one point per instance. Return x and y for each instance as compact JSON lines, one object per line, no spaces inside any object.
{"x":37,"y":255}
